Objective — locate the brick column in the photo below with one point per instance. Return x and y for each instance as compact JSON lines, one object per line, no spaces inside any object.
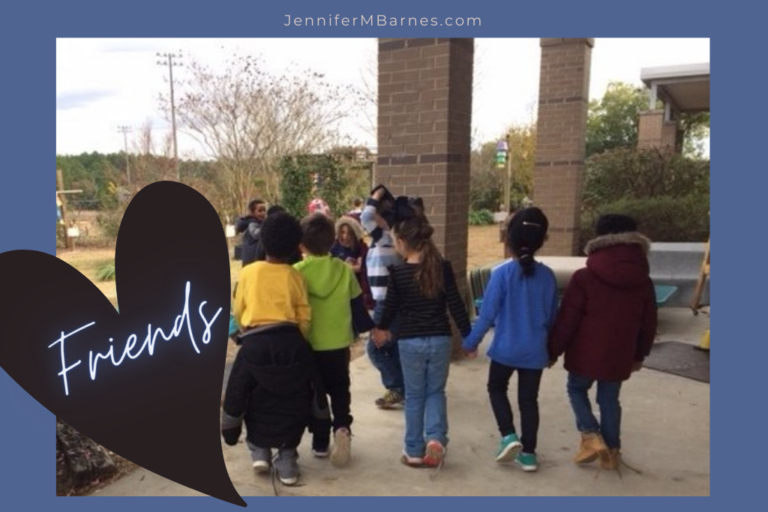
{"x":425,"y":107}
{"x":561,"y":138}
{"x":655,"y":132}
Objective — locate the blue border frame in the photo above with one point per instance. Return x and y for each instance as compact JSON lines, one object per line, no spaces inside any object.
{"x":27,"y":137}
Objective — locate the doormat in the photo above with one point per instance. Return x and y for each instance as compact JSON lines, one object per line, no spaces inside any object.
{"x":680,"y":359}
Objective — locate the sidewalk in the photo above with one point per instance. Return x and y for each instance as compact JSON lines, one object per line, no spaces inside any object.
{"x":665,"y":434}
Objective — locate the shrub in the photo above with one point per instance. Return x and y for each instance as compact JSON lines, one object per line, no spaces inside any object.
{"x":480,"y":218}
{"x":106,"y":272}
{"x":662,"y":219}
{"x":642,"y":173}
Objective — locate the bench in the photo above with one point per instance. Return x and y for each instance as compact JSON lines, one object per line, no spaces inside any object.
{"x":563,"y":267}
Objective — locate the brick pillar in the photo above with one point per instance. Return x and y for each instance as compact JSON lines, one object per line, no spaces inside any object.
{"x":561,"y":138}
{"x":425,"y":108}
{"x":655,"y":132}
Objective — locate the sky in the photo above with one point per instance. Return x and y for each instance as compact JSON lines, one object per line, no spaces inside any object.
{"x":102,"y":84}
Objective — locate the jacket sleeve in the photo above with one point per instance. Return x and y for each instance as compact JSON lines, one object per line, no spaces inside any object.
{"x":492,"y":301}
{"x":455,"y":304}
{"x":569,"y":317}
{"x":648,"y":325}
{"x":254,"y":228}
{"x":368,"y":217}
{"x":240,"y":225}
{"x":239,"y":387}
{"x":554,"y":305}
{"x":391,"y":303}
{"x":239,"y":303}
{"x":301,"y":303}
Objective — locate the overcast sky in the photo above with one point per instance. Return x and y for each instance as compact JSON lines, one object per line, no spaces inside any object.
{"x":105,"y":83}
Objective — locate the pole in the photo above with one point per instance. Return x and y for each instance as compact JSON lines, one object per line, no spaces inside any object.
{"x":169,"y":60}
{"x":508,"y":176}
{"x":510,"y":171}
{"x":124,"y":130}
{"x":60,"y":186}
{"x":173,"y":121}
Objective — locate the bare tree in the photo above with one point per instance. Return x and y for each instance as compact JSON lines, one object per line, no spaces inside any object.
{"x":148,"y":166}
{"x":246,"y":119}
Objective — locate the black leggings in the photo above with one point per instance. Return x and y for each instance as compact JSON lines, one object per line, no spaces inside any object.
{"x":333,"y":367}
{"x":527,"y":398}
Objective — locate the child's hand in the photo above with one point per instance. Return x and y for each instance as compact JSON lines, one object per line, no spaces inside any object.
{"x":232,"y":435}
{"x":381,"y":337}
{"x":470,"y":354}
{"x":551,"y":363}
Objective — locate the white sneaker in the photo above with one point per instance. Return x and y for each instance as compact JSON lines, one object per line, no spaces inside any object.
{"x":260,"y":466}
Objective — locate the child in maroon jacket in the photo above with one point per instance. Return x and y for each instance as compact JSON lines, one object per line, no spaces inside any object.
{"x":606,"y":327}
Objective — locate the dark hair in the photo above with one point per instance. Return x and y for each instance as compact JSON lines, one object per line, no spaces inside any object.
{"x":280,"y":235}
{"x":526,"y":233}
{"x":275,"y":208}
{"x":253,"y":203}
{"x":416,"y":234}
{"x":358,"y":201}
{"x":319,"y":234}
{"x":614,"y":223}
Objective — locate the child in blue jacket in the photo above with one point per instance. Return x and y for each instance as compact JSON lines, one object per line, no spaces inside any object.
{"x":521,"y":303}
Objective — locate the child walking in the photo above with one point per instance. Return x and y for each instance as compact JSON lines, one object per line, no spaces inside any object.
{"x":385,"y":356}
{"x":422,"y":290}
{"x":521,"y":303}
{"x":350,"y":248}
{"x":606,"y":327}
{"x":250,"y":226}
{"x":270,"y":386}
{"x":333,"y":292}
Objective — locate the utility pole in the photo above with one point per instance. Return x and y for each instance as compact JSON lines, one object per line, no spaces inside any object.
{"x":125,"y":130}
{"x":168,"y":60}
{"x":508,"y":178}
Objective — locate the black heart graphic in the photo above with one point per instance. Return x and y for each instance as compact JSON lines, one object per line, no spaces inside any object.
{"x":145,"y":383}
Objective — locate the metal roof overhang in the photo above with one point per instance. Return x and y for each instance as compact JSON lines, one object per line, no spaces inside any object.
{"x":685,"y":88}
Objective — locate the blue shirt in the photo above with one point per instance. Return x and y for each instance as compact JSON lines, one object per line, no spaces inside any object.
{"x":522,"y":310}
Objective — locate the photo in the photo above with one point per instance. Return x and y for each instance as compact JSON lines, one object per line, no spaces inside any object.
{"x":458,"y":267}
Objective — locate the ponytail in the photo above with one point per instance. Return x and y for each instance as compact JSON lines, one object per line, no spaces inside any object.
{"x":416,"y":234}
{"x":526,"y":233}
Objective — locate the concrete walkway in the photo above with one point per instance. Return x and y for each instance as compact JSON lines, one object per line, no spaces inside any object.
{"x":665,"y":434}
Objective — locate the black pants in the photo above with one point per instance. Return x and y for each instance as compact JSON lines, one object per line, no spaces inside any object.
{"x":333,"y":367}
{"x":527,"y":399}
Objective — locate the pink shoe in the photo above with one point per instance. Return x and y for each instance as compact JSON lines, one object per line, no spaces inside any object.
{"x":435,"y":454}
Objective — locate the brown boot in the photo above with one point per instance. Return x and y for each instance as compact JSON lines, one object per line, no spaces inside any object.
{"x":592,"y":446}
{"x":611,"y":459}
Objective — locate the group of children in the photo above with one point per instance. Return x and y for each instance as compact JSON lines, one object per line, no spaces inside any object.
{"x":297,"y":323}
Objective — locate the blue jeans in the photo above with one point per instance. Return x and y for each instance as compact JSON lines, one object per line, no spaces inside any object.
{"x":425,"y":369}
{"x":387,"y":358}
{"x":608,"y":401}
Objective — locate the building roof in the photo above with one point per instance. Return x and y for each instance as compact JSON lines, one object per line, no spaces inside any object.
{"x":685,"y":86}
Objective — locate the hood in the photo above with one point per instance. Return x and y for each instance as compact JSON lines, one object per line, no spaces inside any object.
{"x":242,"y":222}
{"x":323,"y":274}
{"x":620,"y":260}
{"x":355,"y":226}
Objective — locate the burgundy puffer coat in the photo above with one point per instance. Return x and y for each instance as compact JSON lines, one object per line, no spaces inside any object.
{"x":607,"y":320}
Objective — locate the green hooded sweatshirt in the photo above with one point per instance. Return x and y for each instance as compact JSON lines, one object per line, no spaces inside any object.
{"x":331,"y":284}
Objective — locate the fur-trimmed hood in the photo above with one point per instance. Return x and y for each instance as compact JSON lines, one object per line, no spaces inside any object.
{"x":620,"y":260}
{"x":355,"y":226}
{"x":604,"y":241}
